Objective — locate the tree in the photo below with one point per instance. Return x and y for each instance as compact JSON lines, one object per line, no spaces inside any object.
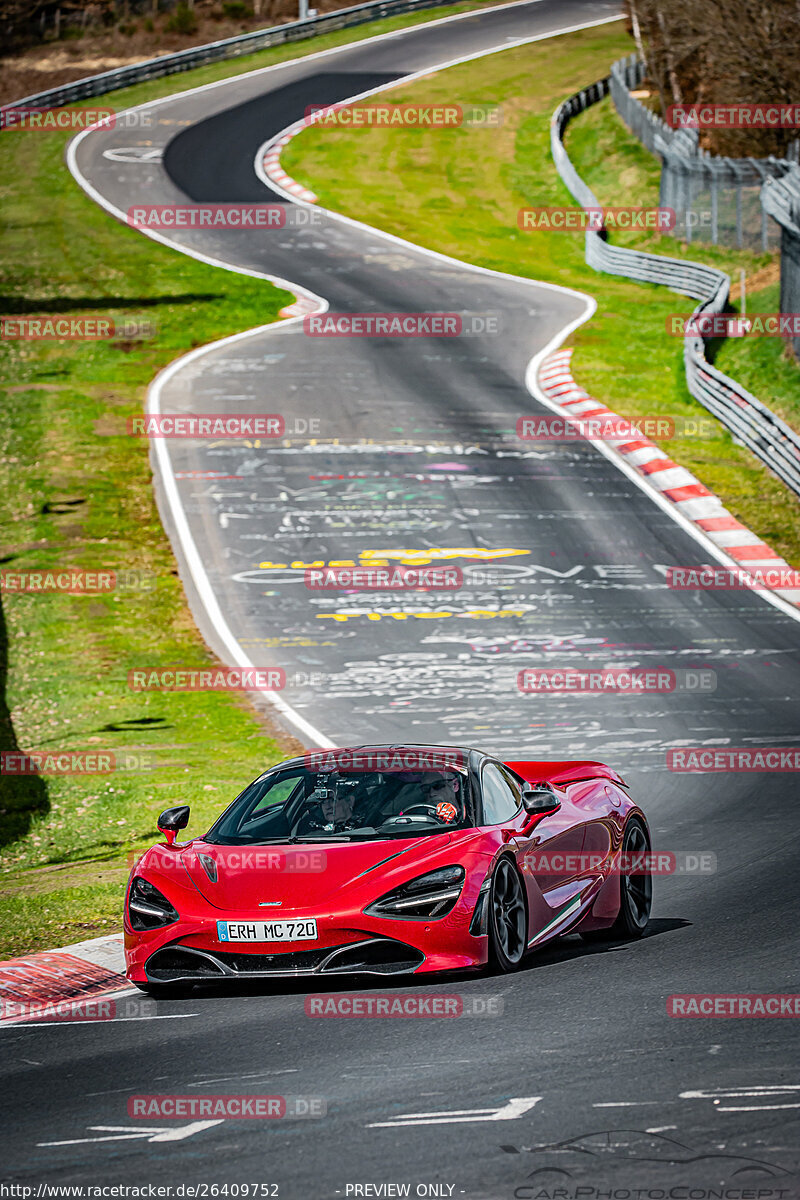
{"x":723,"y":52}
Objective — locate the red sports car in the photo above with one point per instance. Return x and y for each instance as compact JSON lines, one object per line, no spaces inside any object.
{"x":389,"y":860}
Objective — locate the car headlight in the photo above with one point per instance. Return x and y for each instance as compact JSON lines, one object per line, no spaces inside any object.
{"x":431,"y":895}
{"x":147,"y":907}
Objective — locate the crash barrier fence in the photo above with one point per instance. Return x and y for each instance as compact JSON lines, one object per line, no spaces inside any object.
{"x":750,"y":421}
{"x":197,"y":56}
{"x":781,"y":199}
{"x":716,"y":199}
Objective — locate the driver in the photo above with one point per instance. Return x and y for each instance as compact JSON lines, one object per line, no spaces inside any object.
{"x":442,"y":794}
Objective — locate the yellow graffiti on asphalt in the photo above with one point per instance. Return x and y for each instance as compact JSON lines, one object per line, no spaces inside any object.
{"x":399,"y":614}
{"x":382,"y":558}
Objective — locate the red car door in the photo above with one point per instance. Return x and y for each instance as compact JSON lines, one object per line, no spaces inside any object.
{"x":547,"y":850}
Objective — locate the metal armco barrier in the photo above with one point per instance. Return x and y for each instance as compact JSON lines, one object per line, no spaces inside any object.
{"x":198,"y":56}
{"x":750,"y":421}
{"x":781,"y":199}
{"x":716,"y":198}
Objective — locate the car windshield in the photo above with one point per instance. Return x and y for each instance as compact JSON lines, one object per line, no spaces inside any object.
{"x":303,"y":805}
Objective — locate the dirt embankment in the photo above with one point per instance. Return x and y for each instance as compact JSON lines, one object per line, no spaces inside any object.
{"x":97,"y":45}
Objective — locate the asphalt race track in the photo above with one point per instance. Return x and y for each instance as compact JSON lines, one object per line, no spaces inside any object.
{"x":416,"y":451}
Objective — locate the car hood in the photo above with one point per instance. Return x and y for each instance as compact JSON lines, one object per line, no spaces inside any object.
{"x":290,"y":876}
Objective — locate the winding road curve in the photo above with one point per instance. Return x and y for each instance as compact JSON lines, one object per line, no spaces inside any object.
{"x":416,"y":452}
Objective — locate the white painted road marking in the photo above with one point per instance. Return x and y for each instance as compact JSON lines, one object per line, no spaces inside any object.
{"x":509,"y":1112}
{"x":767,"y":1091}
{"x":100,"y":1021}
{"x":133,"y":154}
{"x":625,"y":1103}
{"x":757,"y":1107}
{"x":123,"y":1133}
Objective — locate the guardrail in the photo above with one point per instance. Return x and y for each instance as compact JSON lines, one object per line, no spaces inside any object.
{"x":715,"y":198}
{"x":197,"y":56}
{"x":750,"y":421}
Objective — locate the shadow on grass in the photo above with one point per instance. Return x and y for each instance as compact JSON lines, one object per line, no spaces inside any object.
{"x":22,"y":797}
{"x":16,"y":305}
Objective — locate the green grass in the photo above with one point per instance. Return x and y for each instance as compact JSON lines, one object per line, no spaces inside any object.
{"x":69,"y":912}
{"x":461,"y":193}
{"x":142,"y":92}
{"x":75,"y":491}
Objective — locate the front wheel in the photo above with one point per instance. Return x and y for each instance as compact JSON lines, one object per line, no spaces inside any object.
{"x":508,"y":918}
{"x":635,"y":890}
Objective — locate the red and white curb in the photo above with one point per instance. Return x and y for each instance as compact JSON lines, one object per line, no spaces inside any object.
{"x":303,"y":306}
{"x":271,"y":163}
{"x":79,"y":972}
{"x":691,"y":498}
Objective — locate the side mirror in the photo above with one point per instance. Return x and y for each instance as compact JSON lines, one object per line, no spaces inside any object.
{"x":540,"y":799}
{"x":173,"y":819}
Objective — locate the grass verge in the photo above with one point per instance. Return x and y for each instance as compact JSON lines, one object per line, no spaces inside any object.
{"x":462,"y":189}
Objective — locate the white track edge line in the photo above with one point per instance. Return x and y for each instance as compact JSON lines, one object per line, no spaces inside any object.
{"x":643,"y":481}
{"x":291,"y":131}
{"x":190,"y":550}
{"x":531,"y":374}
{"x":192,"y":557}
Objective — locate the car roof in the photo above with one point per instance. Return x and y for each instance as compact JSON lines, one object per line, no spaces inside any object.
{"x":530,"y":770}
{"x":381,"y":748}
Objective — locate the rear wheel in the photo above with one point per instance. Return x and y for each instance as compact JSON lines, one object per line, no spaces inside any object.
{"x":508,"y":918}
{"x":635,"y":891}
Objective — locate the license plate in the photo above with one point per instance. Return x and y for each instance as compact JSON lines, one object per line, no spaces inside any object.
{"x":267,"y":931}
